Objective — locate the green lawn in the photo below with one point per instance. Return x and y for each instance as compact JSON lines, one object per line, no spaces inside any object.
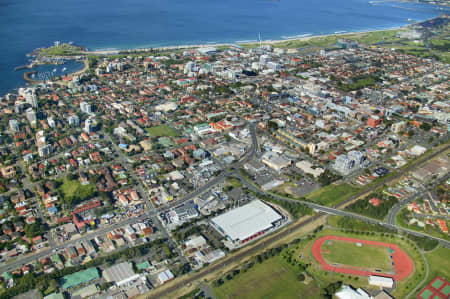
{"x":74,"y":189}
{"x":61,"y":50}
{"x":428,"y":229}
{"x":234,"y":182}
{"x":327,"y":41}
{"x":276,"y":278}
{"x":332,"y":195}
{"x":286,"y":189}
{"x":273,"y":278}
{"x":162,"y":130}
{"x":439,"y":263}
{"x":348,"y":253}
{"x":324,"y":277}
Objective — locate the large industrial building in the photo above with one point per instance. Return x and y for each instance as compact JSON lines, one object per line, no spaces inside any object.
{"x":120,"y":274}
{"x":248,"y":222}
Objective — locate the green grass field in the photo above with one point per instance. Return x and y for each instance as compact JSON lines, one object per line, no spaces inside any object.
{"x":325,"y":277}
{"x":286,"y":188}
{"x":61,"y":50}
{"x":439,"y":264}
{"x":73,"y":188}
{"x":332,"y":195}
{"x":276,"y":278}
{"x":162,"y":130}
{"x":366,"y":256}
{"x":329,"y":40}
{"x":428,"y":229}
{"x":273,"y":278}
{"x":234,"y":182}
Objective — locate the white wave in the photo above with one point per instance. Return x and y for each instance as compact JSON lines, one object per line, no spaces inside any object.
{"x":246,"y":41}
{"x":296,"y":36}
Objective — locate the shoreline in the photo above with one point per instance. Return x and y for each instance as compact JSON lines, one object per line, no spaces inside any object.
{"x":28,"y":79}
{"x":219,"y":44}
{"x":84,"y":69}
{"x":279,"y":41}
{"x":300,"y":37}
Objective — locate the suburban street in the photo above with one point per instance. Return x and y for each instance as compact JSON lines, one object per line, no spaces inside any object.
{"x":233,"y":171}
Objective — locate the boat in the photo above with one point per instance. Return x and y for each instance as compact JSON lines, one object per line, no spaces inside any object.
{"x":54,"y":70}
{"x":64,"y":69}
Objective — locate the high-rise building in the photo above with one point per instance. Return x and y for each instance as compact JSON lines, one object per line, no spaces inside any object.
{"x":74,"y":120}
{"x":14,"y":125}
{"x":45,"y":150}
{"x":30,"y":96}
{"x":345,"y":164}
{"x":89,"y":125}
{"x":85,"y":107}
{"x":31,"y":99}
{"x":31,"y":116}
{"x":51,"y":122}
{"x":19,"y":107}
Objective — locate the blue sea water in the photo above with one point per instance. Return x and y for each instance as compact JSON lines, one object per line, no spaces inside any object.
{"x":113,"y":24}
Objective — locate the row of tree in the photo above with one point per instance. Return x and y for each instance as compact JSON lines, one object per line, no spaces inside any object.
{"x":365,"y":207}
{"x":44,"y":281}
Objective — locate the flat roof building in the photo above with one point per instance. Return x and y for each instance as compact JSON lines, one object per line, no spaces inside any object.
{"x":247,"y":222}
{"x":120,"y":274}
{"x":381,"y":281}
{"x":165,"y":276}
{"x":79,"y":277}
{"x":347,"y":292}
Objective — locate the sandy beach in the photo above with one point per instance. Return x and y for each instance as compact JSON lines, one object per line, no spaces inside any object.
{"x":85,"y":68}
{"x":264,"y":42}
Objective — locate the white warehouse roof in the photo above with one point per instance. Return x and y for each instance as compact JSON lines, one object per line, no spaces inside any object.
{"x":381,"y":281}
{"x":244,"y":222}
{"x":120,"y":273}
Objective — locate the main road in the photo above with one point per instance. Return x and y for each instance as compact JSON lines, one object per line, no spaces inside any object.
{"x":335,"y":211}
{"x":23,"y":260}
{"x":232,"y":171}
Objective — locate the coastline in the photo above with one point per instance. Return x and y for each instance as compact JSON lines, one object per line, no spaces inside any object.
{"x":285,"y":41}
{"x":84,"y":69}
{"x":27,"y":77}
{"x":300,"y":37}
{"x":264,"y":42}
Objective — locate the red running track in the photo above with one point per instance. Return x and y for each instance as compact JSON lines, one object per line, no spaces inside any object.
{"x":402,"y":263}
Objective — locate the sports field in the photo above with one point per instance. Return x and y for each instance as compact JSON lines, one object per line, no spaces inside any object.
{"x":364,"y":256}
{"x":401,"y":262}
{"x":162,"y":130}
{"x":439,"y":288}
{"x":273,"y":278}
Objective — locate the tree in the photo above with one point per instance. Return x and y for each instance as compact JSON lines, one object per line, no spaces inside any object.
{"x":34,"y":229}
{"x":272,"y":125}
{"x":106,"y":285}
{"x":425,"y":126}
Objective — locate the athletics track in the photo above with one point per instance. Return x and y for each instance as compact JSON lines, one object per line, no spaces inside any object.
{"x":402,"y":262}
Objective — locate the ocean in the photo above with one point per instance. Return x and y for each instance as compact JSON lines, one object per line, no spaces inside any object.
{"x":113,"y":24}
